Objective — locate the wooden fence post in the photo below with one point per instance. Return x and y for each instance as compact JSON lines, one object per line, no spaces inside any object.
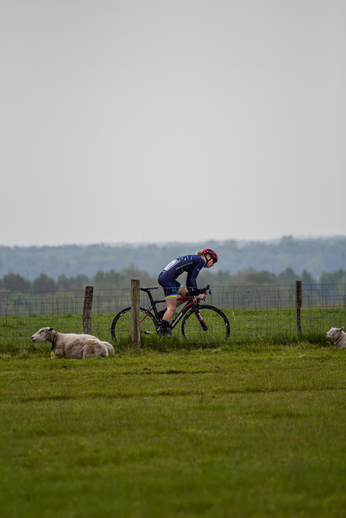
{"x":135,"y":323}
{"x":298,"y":306}
{"x":88,"y":302}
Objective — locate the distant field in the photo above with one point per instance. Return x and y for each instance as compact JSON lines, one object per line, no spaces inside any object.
{"x":247,"y":326}
{"x":252,"y":431}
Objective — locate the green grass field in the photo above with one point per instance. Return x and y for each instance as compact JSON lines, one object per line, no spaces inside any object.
{"x":241,"y":431}
{"x":247,"y":326}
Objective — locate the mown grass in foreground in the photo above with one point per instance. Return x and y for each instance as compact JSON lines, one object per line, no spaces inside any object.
{"x":252,"y":431}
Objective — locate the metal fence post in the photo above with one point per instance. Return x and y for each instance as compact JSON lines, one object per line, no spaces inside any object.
{"x":135,"y":328}
{"x":88,"y":302}
{"x":298,"y":306}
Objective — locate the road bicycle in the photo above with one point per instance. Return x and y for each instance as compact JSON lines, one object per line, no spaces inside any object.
{"x":199,"y":321}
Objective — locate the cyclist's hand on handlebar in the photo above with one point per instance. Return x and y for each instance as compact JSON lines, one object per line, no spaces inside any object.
{"x":202,"y":296}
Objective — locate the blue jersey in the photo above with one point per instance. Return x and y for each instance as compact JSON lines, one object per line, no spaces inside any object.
{"x":192,"y":264}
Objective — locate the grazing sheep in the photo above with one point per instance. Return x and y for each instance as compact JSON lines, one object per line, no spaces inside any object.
{"x":73,"y":346}
{"x":338,"y":336}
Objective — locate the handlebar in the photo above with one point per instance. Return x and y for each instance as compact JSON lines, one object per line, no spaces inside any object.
{"x":202,"y":291}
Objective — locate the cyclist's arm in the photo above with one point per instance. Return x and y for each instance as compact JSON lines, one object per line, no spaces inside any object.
{"x":191,"y":282}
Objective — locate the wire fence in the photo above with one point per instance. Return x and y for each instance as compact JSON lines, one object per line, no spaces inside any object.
{"x":254,"y":312}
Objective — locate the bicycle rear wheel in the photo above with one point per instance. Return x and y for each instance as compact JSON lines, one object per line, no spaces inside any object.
{"x":121,"y":325}
{"x":207,"y":324}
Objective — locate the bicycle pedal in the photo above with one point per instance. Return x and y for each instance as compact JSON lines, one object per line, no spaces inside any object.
{"x":165,"y":332}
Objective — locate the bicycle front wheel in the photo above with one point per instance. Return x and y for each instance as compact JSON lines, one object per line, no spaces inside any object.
{"x":205,"y":324}
{"x":121,"y":325}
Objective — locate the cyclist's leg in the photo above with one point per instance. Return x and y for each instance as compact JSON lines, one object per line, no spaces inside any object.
{"x":171,"y":302}
{"x":171,"y":288}
{"x":182,"y":293}
{"x":171,"y":293}
{"x":171,"y":307}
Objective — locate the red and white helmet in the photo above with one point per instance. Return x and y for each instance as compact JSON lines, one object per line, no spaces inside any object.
{"x":212,"y":253}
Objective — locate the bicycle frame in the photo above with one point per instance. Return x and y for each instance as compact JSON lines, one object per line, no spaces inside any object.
{"x":191,"y":303}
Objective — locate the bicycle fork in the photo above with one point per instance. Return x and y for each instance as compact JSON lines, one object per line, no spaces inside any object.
{"x":200,"y":318}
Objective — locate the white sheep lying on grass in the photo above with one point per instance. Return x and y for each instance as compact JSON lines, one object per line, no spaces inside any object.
{"x":73,"y":346}
{"x":338,"y":336}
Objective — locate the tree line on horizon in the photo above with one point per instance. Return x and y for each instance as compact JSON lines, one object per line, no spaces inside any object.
{"x":313,"y":255}
{"x":121,"y":280}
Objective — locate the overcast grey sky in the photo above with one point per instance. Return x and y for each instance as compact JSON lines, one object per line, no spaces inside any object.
{"x":171,"y":120}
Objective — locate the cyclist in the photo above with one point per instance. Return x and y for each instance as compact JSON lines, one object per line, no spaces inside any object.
{"x":192,"y":264}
